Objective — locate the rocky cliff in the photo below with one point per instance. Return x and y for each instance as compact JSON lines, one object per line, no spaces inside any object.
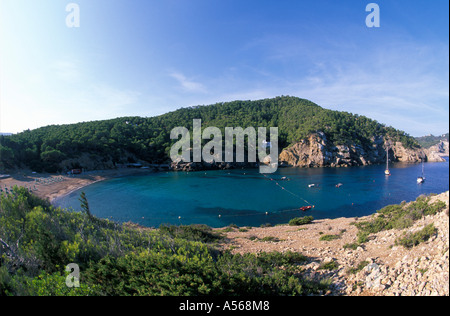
{"x":436,"y":152}
{"x":318,"y":151}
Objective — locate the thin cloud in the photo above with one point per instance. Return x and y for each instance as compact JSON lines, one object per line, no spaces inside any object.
{"x":188,"y":85}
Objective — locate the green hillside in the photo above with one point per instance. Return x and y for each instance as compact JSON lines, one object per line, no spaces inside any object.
{"x":136,"y":138}
{"x":431,"y":140}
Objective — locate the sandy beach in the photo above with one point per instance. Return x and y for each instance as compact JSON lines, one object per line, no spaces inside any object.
{"x":52,"y":186}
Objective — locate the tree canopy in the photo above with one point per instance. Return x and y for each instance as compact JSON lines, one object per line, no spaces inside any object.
{"x":126,"y":139}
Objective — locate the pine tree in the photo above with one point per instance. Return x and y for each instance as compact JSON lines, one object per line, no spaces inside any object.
{"x":84,"y":204}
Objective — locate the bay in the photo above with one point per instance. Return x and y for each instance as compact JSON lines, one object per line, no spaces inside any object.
{"x":248,"y":198}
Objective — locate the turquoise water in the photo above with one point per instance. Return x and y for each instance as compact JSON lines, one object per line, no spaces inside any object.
{"x":242,"y":197}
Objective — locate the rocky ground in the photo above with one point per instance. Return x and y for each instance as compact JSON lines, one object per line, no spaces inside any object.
{"x":384,"y":269}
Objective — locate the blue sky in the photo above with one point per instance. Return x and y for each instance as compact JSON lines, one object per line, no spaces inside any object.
{"x":149,"y":57}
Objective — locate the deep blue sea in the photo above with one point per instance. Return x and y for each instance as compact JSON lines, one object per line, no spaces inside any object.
{"x":247,"y":198}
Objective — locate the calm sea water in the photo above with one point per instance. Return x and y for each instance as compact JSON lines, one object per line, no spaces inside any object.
{"x":247,"y":198}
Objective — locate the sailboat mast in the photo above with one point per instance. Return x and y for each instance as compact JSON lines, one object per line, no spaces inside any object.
{"x":387,"y":172}
{"x":387,"y":158}
{"x":423,"y":169}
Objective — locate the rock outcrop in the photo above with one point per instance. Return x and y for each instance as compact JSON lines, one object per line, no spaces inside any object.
{"x":318,"y":151}
{"x":437,"y":152}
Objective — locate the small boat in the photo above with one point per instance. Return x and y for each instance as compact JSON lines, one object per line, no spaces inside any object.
{"x":285,"y":178}
{"x":311,"y":185}
{"x":305,"y":208}
{"x":339,"y":185}
{"x":422,"y":178}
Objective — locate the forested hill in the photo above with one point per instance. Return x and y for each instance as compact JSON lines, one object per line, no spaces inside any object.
{"x":431,"y":140}
{"x":130,"y":139}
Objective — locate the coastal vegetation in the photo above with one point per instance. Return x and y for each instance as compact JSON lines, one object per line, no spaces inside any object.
{"x":399,"y":216}
{"x":130,"y":139}
{"x":298,"y":221}
{"x":413,"y":239}
{"x":37,"y":242}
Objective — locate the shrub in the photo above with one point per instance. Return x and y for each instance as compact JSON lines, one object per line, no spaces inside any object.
{"x":360,"y":266}
{"x":330,"y":265}
{"x":202,"y":233}
{"x":413,"y":239}
{"x":352,"y":246}
{"x":301,"y":221}
{"x":269,"y":239}
{"x":329,"y":237}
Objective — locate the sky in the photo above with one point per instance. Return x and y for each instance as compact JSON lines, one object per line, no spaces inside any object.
{"x":150,"y":57}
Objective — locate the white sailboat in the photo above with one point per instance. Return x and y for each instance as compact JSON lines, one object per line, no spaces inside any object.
{"x":387,"y":171}
{"x":422,"y":178}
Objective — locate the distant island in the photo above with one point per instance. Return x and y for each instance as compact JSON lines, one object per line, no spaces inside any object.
{"x":309,"y":136}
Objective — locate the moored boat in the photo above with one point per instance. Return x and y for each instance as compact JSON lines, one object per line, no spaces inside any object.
{"x":421,"y":179}
{"x":306,"y":208}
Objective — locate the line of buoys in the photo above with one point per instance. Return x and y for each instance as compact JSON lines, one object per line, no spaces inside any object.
{"x":221,"y":216}
{"x":292,"y":193}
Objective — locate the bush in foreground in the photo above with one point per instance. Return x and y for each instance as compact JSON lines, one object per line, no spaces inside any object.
{"x":298,"y":221}
{"x":38,"y":241}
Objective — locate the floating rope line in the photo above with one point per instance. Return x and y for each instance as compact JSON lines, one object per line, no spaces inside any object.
{"x":219,"y":216}
{"x":283,"y":188}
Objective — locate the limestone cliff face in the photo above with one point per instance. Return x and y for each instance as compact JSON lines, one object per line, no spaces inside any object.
{"x":317,"y":151}
{"x":436,"y":152}
{"x":403,"y":154}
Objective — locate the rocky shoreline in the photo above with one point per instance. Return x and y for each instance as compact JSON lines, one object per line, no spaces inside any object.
{"x":318,"y":151}
{"x":378,"y":268}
